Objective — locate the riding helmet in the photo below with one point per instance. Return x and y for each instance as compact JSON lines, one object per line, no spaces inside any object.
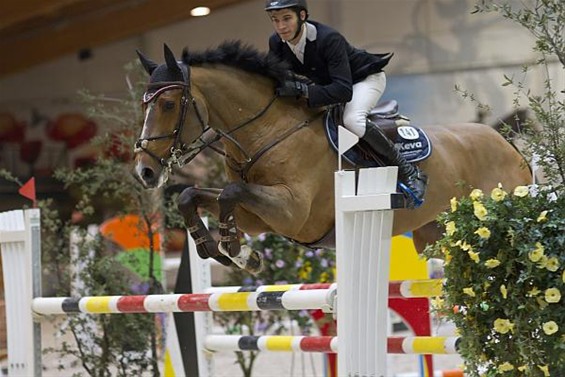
{"x":282,"y":4}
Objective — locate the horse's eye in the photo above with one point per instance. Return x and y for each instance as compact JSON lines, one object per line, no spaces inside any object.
{"x":169,"y":105}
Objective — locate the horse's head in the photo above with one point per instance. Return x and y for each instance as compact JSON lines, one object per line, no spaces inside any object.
{"x":174,"y":124}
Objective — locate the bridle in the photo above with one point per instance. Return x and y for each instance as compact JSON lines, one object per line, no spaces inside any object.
{"x":180,"y":153}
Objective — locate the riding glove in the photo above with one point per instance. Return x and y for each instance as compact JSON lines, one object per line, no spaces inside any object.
{"x":291,"y":88}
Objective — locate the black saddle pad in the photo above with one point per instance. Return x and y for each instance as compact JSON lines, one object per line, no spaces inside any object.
{"x":412,"y":142}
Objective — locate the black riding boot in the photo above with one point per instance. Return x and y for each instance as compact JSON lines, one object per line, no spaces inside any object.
{"x":415,"y":179}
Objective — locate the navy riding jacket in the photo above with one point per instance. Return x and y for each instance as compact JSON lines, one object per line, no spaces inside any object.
{"x":331,"y":63}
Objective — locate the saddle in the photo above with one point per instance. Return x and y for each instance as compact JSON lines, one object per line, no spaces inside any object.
{"x":412,"y":142}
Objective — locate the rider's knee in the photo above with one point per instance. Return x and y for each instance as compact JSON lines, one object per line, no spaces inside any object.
{"x":355,"y":122}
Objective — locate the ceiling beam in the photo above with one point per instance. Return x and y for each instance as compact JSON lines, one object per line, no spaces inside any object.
{"x":17,"y":12}
{"x":92,"y":30}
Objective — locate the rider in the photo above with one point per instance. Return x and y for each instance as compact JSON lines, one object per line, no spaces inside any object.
{"x":340,"y":73}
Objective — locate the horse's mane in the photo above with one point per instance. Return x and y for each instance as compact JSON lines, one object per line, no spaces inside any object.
{"x":239,"y":55}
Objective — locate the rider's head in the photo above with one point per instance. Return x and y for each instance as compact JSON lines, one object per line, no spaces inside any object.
{"x":287,"y":17}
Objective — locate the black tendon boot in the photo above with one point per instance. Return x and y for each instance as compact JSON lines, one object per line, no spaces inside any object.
{"x":411,"y":176}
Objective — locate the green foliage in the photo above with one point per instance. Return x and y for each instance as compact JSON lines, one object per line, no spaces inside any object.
{"x":505,"y":252}
{"x":106,"y":345}
{"x":505,"y":270}
{"x":285,"y":263}
{"x":545,"y":135}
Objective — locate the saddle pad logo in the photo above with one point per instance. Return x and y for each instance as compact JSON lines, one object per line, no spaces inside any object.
{"x":408,"y":133}
{"x":413,"y":143}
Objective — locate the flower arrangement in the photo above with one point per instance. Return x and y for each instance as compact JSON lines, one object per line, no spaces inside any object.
{"x":505,"y":277}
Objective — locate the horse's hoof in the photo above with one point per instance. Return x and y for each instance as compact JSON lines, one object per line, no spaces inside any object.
{"x":247,"y":259}
{"x":254,"y":264}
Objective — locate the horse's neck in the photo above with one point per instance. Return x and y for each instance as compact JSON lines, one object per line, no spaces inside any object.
{"x":234,"y":97}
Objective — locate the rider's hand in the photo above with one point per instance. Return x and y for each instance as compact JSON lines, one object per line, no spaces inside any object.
{"x":291,"y":88}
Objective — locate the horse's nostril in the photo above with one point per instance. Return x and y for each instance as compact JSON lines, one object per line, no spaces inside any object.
{"x":147,"y":174}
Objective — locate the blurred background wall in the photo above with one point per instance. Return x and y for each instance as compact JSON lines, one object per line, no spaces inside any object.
{"x":438,"y":44}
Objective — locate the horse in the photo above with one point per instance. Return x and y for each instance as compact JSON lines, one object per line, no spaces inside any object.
{"x":278,"y":162}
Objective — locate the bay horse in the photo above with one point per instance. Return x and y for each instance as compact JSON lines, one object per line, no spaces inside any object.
{"x":277,"y":158}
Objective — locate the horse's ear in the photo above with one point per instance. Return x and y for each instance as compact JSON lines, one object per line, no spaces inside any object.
{"x":171,"y":61}
{"x":149,"y":65}
{"x":185,"y":58}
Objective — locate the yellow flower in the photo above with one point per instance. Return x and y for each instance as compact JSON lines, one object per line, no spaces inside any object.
{"x":483,"y":232}
{"x":453,"y":203}
{"x":552,"y":264}
{"x":463,"y":245}
{"x":563,"y":276}
{"x":503,"y":325}
{"x":521,"y":191}
{"x":480,"y":211}
{"x":304,"y":273}
{"x":534,"y":292}
{"x":469,"y":291}
{"x":542,"y":217}
{"x":447,"y":259}
{"x":504,"y":291}
{"x":542,"y":303}
{"x":543,"y":262}
{"x":450,"y":228}
{"x":474,"y":256}
{"x":497,"y":194}
{"x":552,"y":295}
{"x":438,"y":302}
{"x":324,"y":277}
{"x":505,"y":367}
{"x":476,"y":194}
{"x":550,"y":327}
{"x":523,"y":368}
{"x":537,"y":253}
{"x":492,"y":263}
{"x":545,"y":370}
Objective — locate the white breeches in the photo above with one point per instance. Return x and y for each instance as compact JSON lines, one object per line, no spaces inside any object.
{"x":366,"y":94}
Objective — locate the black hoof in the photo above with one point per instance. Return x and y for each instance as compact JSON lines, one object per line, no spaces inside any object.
{"x":254,"y":264}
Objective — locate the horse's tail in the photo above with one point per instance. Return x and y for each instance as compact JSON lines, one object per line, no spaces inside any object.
{"x":510,"y":127}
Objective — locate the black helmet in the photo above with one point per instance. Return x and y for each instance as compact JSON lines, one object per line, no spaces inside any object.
{"x":282,"y":4}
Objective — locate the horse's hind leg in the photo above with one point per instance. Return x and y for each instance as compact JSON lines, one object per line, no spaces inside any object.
{"x":188,"y":203}
{"x":426,"y":235}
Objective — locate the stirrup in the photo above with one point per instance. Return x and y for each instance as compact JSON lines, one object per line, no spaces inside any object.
{"x":413,"y":201}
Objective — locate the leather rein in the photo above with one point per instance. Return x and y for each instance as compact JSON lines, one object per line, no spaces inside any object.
{"x":180,"y":153}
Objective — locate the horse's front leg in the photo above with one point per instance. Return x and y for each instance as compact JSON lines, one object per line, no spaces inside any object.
{"x":188,"y":202}
{"x":266,"y":208}
{"x":243,"y":256}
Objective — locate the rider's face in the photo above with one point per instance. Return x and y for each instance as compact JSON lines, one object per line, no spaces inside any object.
{"x":285,"y":23}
